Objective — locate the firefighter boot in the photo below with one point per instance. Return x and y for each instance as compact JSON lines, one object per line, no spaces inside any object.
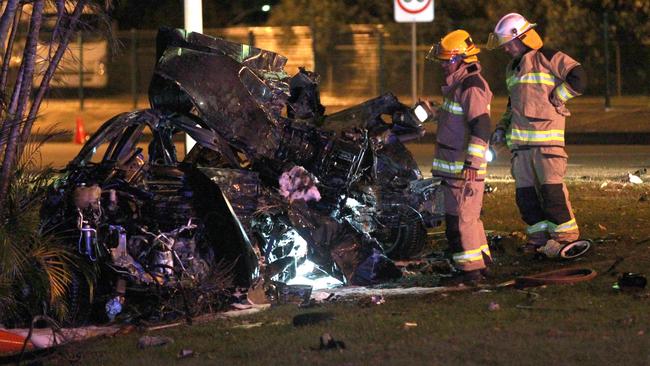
{"x":464,"y":278}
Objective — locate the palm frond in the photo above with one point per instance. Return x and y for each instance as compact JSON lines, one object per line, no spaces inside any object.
{"x":35,"y":269}
{"x":56,"y":263}
{"x":12,"y":257}
{"x":31,"y":157}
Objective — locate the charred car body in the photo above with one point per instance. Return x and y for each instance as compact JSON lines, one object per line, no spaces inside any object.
{"x":155,"y":221}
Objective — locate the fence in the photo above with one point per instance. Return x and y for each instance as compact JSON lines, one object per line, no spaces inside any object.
{"x":363,"y":62}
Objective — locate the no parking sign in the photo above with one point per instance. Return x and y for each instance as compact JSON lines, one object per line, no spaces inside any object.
{"x":409,"y":11}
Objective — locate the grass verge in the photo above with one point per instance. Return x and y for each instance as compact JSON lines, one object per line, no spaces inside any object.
{"x":582,"y":324}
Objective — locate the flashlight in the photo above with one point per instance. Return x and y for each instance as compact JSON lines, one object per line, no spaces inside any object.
{"x":490,"y":154}
{"x":423,"y":111}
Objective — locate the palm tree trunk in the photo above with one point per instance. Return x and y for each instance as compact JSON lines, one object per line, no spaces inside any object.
{"x":28,"y":65}
{"x":8,"y":51}
{"x":6,"y":19}
{"x":49,"y":73}
{"x":11,"y":111}
{"x":4,"y":124}
{"x":60,"y":13}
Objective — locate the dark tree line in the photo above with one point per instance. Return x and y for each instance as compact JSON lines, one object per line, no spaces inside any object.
{"x":575,"y":27}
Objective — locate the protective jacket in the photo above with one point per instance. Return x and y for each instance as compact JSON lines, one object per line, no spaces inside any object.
{"x":539,"y":84}
{"x":463,"y":124}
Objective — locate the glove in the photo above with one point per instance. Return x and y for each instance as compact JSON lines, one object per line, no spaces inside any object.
{"x":498,"y":137}
{"x":563,"y":110}
{"x":560,"y":107}
{"x":551,"y":249}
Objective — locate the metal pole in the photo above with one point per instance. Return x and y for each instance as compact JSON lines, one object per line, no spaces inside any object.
{"x":414,"y":65}
{"x":608,"y":103}
{"x":330,"y":77}
{"x":193,"y":16}
{"x":251,"y":38}
{"x":80,"y":43}
{"x":618,"y":69}
{"x":380,"y":57}
{"x":314,"y":46}
{"x":421,"y":76}
{"x":134,"y":69}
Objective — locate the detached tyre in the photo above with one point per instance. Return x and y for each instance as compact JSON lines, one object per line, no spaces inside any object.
{"x":403,"y":234}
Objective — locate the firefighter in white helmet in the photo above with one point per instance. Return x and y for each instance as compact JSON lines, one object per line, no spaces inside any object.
{"x":540,"y":81}
{"x":461,"y":145}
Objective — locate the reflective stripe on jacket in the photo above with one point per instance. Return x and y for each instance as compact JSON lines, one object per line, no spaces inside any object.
{"x":466,"y":97}
{"x":536,"y":84}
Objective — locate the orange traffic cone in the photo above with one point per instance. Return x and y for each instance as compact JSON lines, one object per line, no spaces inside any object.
{"x":80,"y":133}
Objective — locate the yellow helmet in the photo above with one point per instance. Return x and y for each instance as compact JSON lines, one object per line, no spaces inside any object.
{"x":456,"y":43}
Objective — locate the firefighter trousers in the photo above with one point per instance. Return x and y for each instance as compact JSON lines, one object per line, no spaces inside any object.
{"x":464,"y":228}
{"x":542,"y":196}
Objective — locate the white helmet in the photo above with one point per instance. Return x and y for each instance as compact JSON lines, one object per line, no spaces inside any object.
{"x":511,"y":26}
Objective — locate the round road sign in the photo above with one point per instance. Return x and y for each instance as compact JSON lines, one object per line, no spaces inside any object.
{"x":413,"y":6}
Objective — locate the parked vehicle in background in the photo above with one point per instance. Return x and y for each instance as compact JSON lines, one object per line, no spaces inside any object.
{"x":84,"y":64}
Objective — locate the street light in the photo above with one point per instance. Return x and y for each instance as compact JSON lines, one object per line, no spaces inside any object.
{"x":266,"y":8}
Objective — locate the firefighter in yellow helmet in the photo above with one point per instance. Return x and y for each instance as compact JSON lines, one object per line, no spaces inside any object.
{"x":462,"y":142}
{"x":540,"y":81}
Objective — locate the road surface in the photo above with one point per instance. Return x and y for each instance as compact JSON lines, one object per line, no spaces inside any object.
{"x":585,"y":162}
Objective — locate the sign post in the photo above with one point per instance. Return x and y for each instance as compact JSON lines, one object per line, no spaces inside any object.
{"x":193,"y":16}
{"x":413,"y":11}
{"x":414,"y":62}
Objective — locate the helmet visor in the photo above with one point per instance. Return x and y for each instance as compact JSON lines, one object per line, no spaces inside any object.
{"x":437,"y":53}
{"x":433,"y":53}
{"x":495,"y":40}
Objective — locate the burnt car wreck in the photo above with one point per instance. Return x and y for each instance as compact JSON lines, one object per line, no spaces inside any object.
{"x":273,"y":190}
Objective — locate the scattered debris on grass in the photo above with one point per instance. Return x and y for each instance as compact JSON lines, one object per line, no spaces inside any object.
{"x":327,"y":342}
{"x":634,"y":179}
{"x":248,"y":325}
{"x":518,"y":234}
{"x":631,"y":282}
{"x":494,"y":306}
{"x":153,"y":341}
{"x":185,"y":353}
{"x":494,"y":242}
{"x":436,"y":264}
{"x":368,"y":301}
{"x":409,"y":325}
